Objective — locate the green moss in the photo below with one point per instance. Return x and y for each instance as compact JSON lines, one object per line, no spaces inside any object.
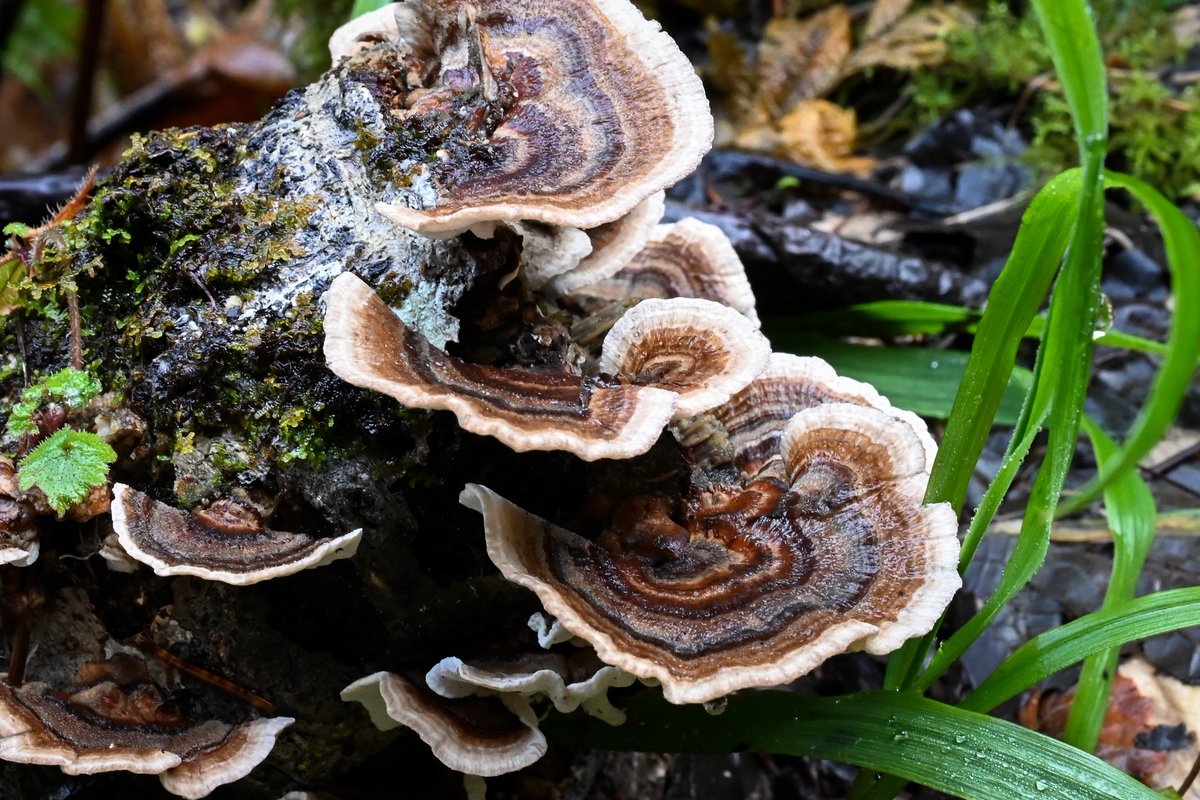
{"x":1154,"y":131}
{"x":183,"y":231}
{"x":166,"y":231}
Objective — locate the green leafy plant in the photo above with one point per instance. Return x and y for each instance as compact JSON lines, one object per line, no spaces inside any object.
{"x":66,"y":466}
{"x":72,"y":387}
{"x":68,"y":463}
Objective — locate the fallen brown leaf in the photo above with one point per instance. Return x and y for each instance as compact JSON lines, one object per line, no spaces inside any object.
{"x":1149,"y":728}
{"x":884,"y":14}
{"x":801,"y":59}
{"x":917,"y":40}
{"x":732,"y":72}
{"x":822,"y":134}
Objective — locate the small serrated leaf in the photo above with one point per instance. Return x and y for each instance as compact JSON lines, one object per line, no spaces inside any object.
{"x":16,"y":229}
{"x":73,"y":387}
{"x":66,"y":466}
{"x":20,"y":421}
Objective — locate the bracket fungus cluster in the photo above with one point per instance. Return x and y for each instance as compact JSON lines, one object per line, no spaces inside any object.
{"x":790,"y":526}
{"x":117,"y":719}
{"x":757,"y":581}
{"x":800,"y":532}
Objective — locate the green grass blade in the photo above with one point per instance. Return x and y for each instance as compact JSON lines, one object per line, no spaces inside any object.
{"x":903,"y":670}
{"x":1061,"y":376}
{"x":1012,"y":304}
{"x":1070,"y":33}
{"x":1132,"y":517}
{"x":1181,"y":241}
{"x":1108,"y":338}
{"x":1065,"y":357}
{"x":1068,"y":644}
{"x":1063,"y":364}
{"x":1055,"y":650}
{"x":962,"y":753}
{"x":894,"y":318}
{"x":889,"y":318}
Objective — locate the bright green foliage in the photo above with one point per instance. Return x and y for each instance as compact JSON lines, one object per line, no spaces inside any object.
{"x":66,"y":466}
{"x":1132,"y":518}
{"x":72,"y":387}
{"x":16,"y":229}
{"x":961,"y":753}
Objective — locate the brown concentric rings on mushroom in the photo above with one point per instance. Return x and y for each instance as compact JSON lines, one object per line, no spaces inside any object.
{"x":367,"y":345}
{"x":688,"y":258}
{"x":754,"y":584}
{"x":122,"y":722}
{"x":584,"y":109}
{"x":702,"y":350}
{"x":224,"y":542}
{"x":754,"y":418}
{"x":613,"y":245}
{"x":671,"y":357}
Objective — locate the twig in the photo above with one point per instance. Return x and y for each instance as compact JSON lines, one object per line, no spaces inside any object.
{"x":19,"y":657}
{"x":723,"y":162}
{"x":1185,"y":455}
{"x":143,"y":643}
{"x":1191,"y":777}
{"x":1038,"y":83}
{"x":19,"y":623}
{"x":20,"y":327}
{"x":76,"y":327}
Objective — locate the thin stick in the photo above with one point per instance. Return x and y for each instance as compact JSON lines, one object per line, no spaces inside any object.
{"x":143,"y":643}
{"x":20,"y":328}
{"x":1169,"y":464}
{"x":1191,"y":777}
{"x":76,"y":329}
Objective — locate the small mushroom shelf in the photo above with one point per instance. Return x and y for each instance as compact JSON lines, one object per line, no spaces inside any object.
{"x":119,"y":719}
{"x":801,"y":531}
